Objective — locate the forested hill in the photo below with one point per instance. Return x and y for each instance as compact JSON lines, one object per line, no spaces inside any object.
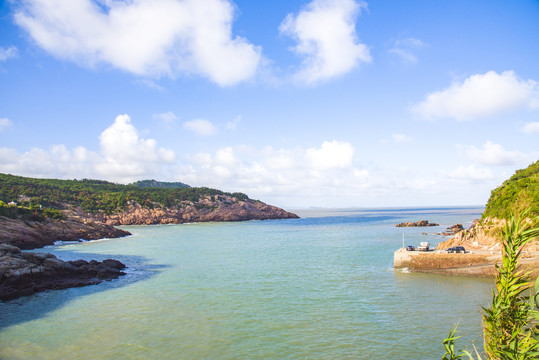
{"x":97,"y":196}
{"x":159,"y":184}
{"x":517,"y":194}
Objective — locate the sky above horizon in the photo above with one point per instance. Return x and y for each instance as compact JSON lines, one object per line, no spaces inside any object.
{"x":324,"y":103}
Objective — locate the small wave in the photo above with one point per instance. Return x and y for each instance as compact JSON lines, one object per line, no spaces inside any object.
{"x":61,"y":242}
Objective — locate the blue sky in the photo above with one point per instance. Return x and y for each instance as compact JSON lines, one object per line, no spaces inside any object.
{"x":297,"y":103}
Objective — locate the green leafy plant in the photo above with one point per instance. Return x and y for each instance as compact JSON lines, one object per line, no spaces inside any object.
{"x":449,"y":346}
{"x":510,"y":324}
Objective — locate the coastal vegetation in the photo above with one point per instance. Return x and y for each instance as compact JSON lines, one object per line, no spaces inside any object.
{"x":159,"y":184}
{"x":96,"y":196}
{"x":32,"y":212}
{"x":520,"y":192}
{"x":511,"y":323}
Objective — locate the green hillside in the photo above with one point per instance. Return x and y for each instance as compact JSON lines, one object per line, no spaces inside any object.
{"x":159,"y":184}
{"x":519,"y":193}
{"x":95,"y":195}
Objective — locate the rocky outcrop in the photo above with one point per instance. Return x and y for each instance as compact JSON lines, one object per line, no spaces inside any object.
{"x":25,"y":273}
{"x":217,"y":208}
{"x":416,"y":224}
{"x":35,"y":234}
{"x":452,"y":230}
{"x":480,"y":235}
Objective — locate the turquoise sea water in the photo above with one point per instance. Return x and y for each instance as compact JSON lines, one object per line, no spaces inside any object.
{"x":319,"y":287}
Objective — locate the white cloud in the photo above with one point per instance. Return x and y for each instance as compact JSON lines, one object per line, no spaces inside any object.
{"x":6,"y":53}
{"x":226,"y":157}
{"x":126,"y":154}
{"x":327,"y":170}
{"x":402,"y":139}
{"x":405,"y":48}
{"x":532,"y":127}
{"x":326,"y":36}
{"x":480,"y":95}
{"x":124,"y":157}
{"x":493,"y":154}
{"x":168,"y":118}
{"x":332,"y":155}
{"x":57,"y":161}
{"x":233,"y":124}
{"x":150,"y":84}
{"x":200,"y":126}
{"x":145,"y":37}
{"x":471,"y":174}
{"x":4,"y":123}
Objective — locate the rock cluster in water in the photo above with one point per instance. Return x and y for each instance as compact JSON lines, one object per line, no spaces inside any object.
{"x":25,"y":273}
{"x":416,"y":224}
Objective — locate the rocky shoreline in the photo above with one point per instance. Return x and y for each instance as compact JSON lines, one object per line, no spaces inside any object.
{"x":25,"y":273}
{"x":28,"y":235}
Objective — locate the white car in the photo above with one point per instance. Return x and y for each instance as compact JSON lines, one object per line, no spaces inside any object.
{"x":423,"y":246}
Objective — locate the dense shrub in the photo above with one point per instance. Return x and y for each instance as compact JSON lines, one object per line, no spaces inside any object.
{"x":517,"y":194}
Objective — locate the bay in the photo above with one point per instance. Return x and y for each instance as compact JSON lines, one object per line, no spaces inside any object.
{"x":319,"y":287}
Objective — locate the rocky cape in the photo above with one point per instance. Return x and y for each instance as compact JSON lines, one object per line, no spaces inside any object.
{"x":208,"y":209}
{"x":79,"y":224}
{"x":25,"y":273}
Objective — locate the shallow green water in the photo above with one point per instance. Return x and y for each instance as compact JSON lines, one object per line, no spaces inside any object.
{"x":319,"y":287}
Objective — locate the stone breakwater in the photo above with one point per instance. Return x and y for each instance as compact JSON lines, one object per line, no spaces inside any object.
{"x":25,"y":273}
{"x":440,"y":262}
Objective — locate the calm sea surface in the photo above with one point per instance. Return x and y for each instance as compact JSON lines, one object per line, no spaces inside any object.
{"x":319,"y":287}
